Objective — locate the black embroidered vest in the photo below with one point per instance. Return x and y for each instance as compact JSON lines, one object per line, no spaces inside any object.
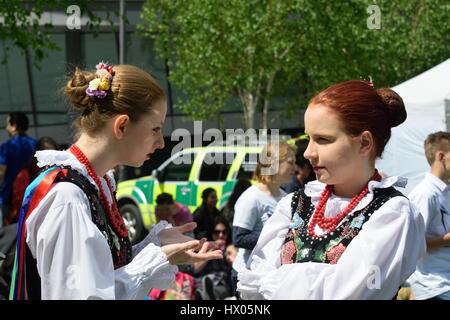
{"x":121,"y":249}
{"x":299,"y":246}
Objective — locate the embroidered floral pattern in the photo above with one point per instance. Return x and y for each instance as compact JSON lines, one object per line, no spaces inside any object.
{"x":335,"y":253}
{"x":348,"y":232}
{"x":358,"y":222}
{"x":296,"y":222}
{"x":332,"y":243}
{"x":302,"y":254}
{"x":319,"y":256}
{"x":288,"y":252}
{"x":299,"y":246}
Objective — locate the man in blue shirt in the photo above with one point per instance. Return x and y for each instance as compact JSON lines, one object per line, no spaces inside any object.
{"x":14,"y":154}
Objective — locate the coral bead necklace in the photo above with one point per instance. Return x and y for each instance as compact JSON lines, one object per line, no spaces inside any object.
{"x":112,"y":211}
{"x":330,"y":224}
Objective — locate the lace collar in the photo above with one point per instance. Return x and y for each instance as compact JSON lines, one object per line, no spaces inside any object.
{"x":66,"y":158}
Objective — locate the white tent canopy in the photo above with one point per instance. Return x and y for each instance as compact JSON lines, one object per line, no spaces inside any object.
{"x":426,"y":97}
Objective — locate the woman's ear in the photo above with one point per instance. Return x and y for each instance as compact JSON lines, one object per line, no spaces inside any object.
{"x":366,"y":143}
{"x":120,"y":125}
{"x":440,"y":158}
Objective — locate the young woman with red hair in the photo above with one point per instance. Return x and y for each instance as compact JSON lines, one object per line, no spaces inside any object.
{"x":350,"y":234}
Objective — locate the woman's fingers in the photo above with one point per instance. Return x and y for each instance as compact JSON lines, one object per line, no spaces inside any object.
{"x":190,"y":245}
{"x":202,"y":242}
{"x":205,"y":256}
{"x":177,"y":248}
{"x":184,"y":253}
{"x":204,"y":248}
{"x":187,"y":227}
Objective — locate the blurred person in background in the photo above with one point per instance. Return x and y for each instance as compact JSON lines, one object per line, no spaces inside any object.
{"x":171,"y":211}
{"x":213,"y":278}
{"x":205,"y":214}
{"x":256,"y":205}
{"x":304,"y":171}
{"x":431,"y":280}
{"x":228,"y":210}
{"x":14,"y":154}
{"x":24,"y":178}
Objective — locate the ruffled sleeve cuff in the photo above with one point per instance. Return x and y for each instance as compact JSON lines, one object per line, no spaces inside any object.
{"x":259,"y":282}
{"x":152,"y":237}
{"x":149,"y":269}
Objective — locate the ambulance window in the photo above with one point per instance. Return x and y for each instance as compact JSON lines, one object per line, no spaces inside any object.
{"x":248,"y":166}
{"x":178,"y":169}
{"x":216,"y":165}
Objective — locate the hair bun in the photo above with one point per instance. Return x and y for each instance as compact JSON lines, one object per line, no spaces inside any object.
{"x":394,"y":106}
{"x":76,"y":90}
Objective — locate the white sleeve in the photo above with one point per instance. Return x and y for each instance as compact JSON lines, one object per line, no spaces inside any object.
{"x":373,"y":266}
{"x":267,"y":249}
{"x":149,"y":269}
{"x":73,"y":258}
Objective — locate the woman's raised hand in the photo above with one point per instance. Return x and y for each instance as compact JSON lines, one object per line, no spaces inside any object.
{"x":184,"y":253}
{"x":175,"y":234}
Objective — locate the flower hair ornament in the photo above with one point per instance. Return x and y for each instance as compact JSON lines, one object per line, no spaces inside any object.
{"x":99,"y":87}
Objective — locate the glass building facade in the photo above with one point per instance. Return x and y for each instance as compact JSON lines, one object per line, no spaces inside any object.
{"x":38,"y":91}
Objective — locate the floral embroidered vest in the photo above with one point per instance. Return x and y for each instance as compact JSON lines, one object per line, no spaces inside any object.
{"x":299,"y":246}
{"x":121,"y":249}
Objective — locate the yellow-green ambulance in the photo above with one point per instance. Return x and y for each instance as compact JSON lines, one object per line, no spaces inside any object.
{"x":185,"y":175}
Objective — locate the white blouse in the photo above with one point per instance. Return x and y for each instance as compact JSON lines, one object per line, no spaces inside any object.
{"x":73,"y":257}
{"x":373,"y":266}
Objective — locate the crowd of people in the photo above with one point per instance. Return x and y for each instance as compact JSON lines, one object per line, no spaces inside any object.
{"x":292,"y":233}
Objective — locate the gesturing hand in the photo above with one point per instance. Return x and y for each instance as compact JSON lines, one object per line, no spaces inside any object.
{"x":175,"y":234}
{"x":184,"y":253}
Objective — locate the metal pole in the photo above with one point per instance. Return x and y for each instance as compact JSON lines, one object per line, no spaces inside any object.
{"x":121,"y":32}
{"x":121,"y":169}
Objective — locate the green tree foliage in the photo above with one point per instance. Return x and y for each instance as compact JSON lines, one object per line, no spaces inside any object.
{"x":259,"y":50}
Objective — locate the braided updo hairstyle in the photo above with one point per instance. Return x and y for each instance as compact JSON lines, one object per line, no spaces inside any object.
{"x":362,"y":107}
{"x":133,"y":92}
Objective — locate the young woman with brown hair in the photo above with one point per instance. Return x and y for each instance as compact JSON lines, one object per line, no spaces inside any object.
{"x":72,"y":241}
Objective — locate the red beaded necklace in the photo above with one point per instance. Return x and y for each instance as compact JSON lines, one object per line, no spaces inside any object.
{"x":330,"y":224}
{"x":112,"y":211}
